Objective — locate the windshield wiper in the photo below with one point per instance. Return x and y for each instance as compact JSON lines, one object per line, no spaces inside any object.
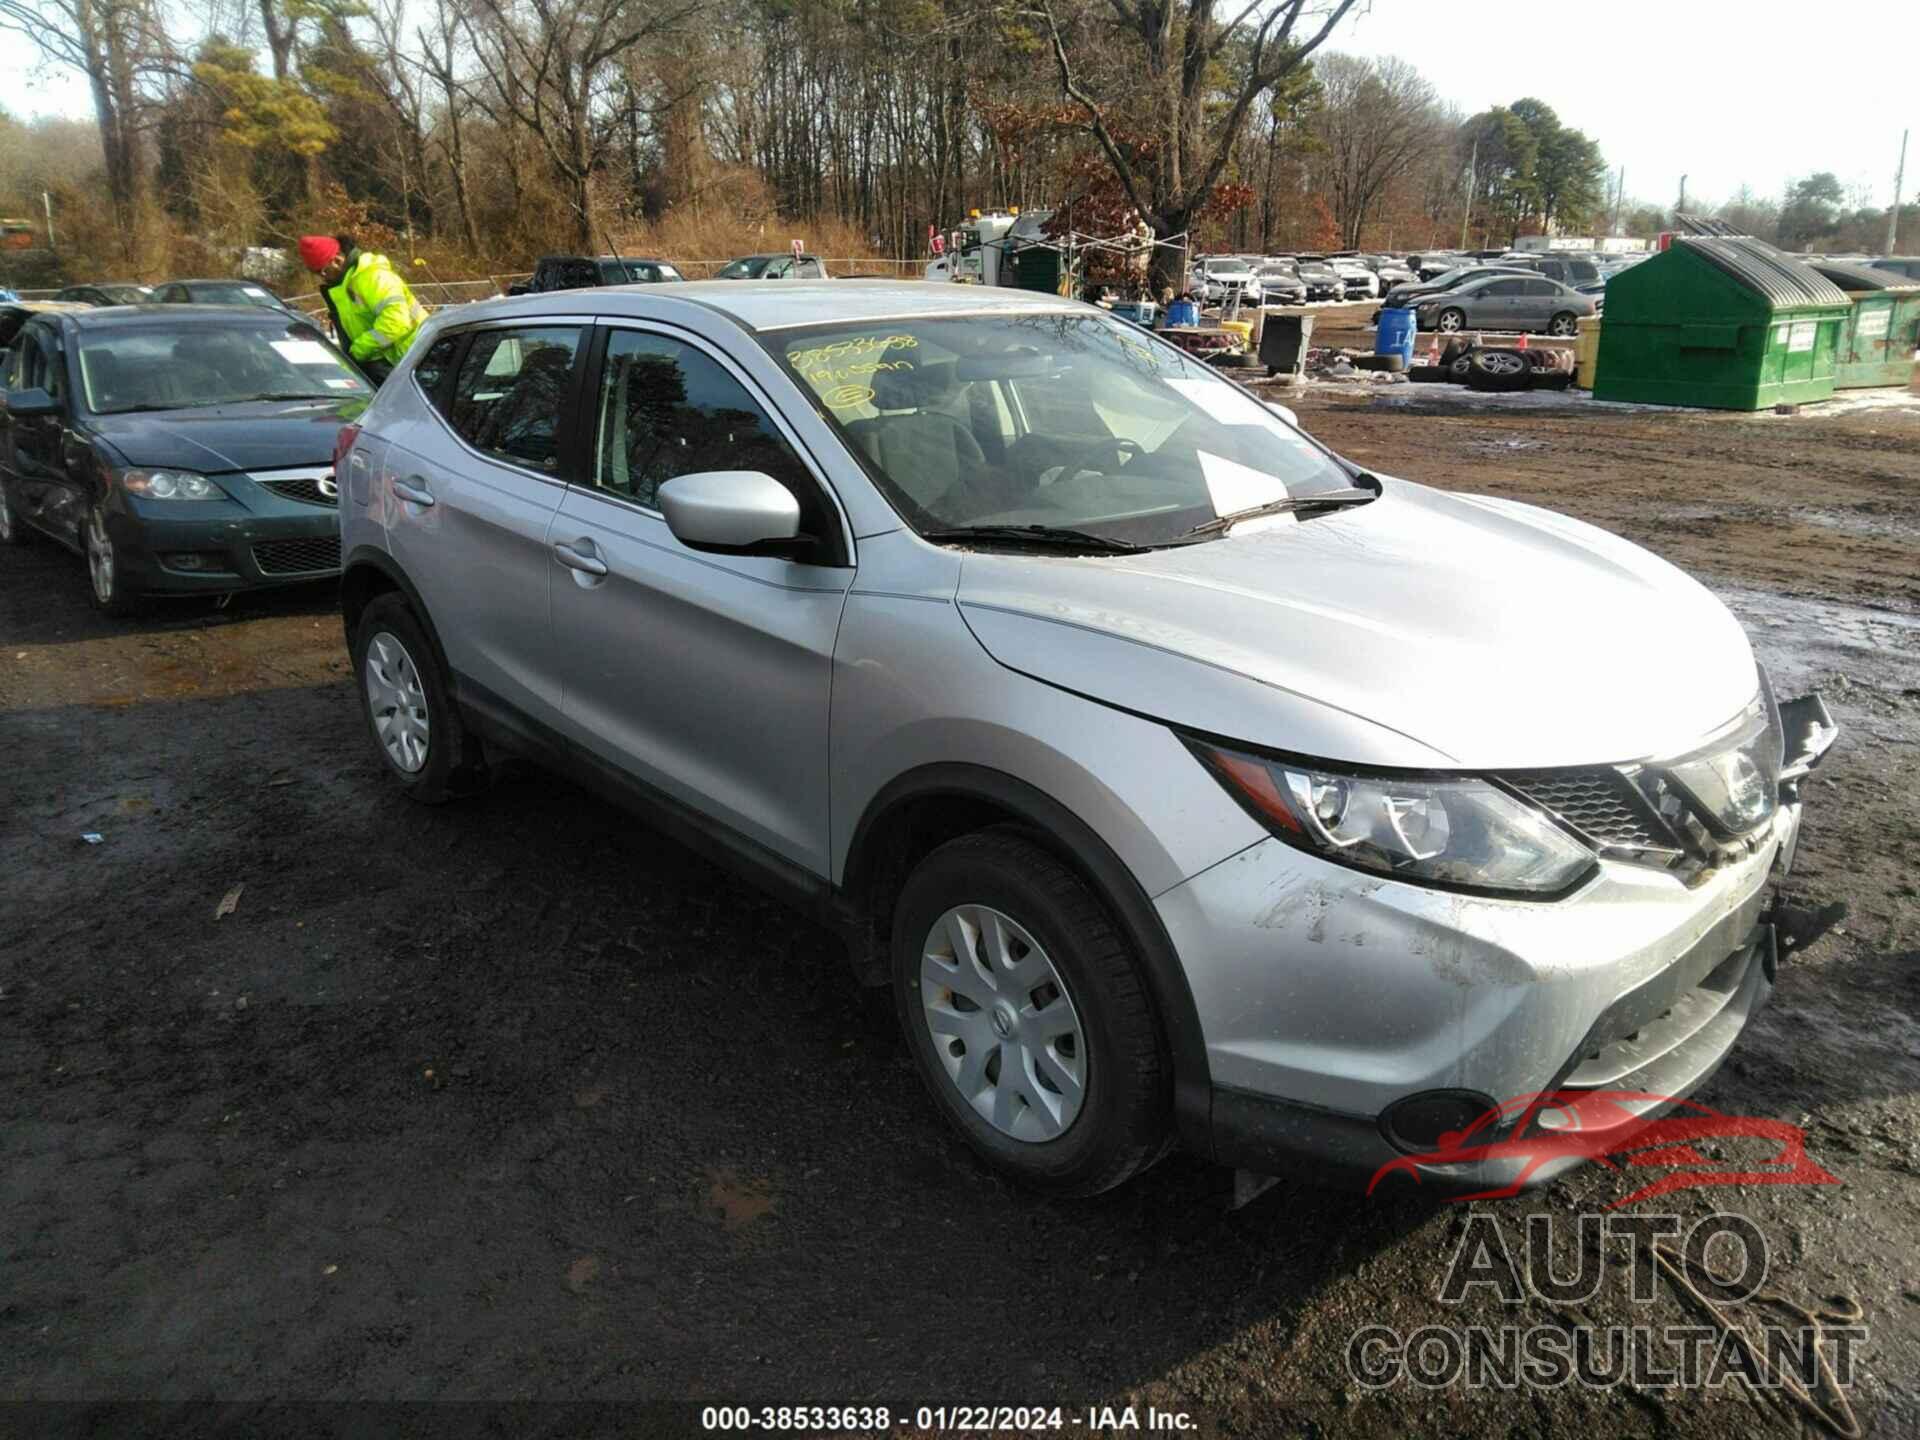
{"x":1036,"y":535}
{"x":1284,"y":506}
{"x":148,"y":409}
{"x":293,"y":395}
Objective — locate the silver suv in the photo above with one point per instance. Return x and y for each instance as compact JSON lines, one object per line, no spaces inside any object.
{"x":1185,"y":781}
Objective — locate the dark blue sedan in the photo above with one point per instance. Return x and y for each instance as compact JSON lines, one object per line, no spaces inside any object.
{"x":179,"y":449}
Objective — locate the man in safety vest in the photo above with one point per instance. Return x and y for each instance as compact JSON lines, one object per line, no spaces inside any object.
{"x":374,"y":313}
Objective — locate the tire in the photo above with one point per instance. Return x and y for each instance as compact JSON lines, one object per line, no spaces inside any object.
{"x":408,"y":706}
{"x":106,"y":577}
{"x":1095,"y":1022}
{"x":1460,"y":367}
{"x":1450,"y":321}
{"x":13,"y":530}
{"x":1427,"y":374}
{"x":1563,"y":324}
{"x":1499,"y":370}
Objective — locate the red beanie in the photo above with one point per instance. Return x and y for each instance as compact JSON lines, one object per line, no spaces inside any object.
{"x":318,"y":251}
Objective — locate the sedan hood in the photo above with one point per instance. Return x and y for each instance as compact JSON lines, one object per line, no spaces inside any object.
{"x":262,"y":435}
{"x":1423,"y":629}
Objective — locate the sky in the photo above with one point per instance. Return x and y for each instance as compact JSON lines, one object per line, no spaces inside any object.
{"x":1727,"y":92}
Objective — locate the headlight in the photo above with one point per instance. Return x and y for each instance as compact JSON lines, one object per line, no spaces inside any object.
{"x":170,"y":485}
{"x":1733,"y":784}
{"x":1463,"y":834}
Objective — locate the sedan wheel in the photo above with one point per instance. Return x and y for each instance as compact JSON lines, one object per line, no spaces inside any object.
{"x":1002,"y":1024}
{"x":100,"y":558}
{"x":1502,"y":362}
{"x":1563,"y":324}
{"x":397,"y":702}
{"x":1452,"y":322}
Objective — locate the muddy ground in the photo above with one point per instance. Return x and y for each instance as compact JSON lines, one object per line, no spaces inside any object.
{"x":517,"y":1100}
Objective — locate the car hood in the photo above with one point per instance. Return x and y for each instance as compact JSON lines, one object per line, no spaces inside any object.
{"x":262,"y":435}
{"x":1423,"y":629}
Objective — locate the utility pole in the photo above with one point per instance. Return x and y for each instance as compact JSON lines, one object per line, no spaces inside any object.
{"x":1473,"y":164}
{"x":1683,"y":198}
{"x":1619,"y":197}
{"x":1893,"y":215}
{"x":46,"y":203}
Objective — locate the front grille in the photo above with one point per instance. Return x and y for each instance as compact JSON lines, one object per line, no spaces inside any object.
{"x":298,"y":557}
{"x":1600,"y":804}
{"x":307,"y":489}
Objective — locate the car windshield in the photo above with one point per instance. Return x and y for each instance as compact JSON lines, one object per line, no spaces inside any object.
{"x":1059,"y":420}
{"x":178,"y":367}
{"x":124,"y":294}
{"x":751,"y":268}
{"x":648,"y":272}
{"x":234,"y":294}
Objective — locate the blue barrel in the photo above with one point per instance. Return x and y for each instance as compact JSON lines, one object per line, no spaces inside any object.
{"x":1395,"y":334}
{"x":1185,"y":312}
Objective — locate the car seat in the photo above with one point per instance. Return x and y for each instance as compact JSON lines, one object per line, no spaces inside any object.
{"x":919,"y":447}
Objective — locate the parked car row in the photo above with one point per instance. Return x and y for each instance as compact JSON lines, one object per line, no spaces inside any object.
{"x":1293,"y":279}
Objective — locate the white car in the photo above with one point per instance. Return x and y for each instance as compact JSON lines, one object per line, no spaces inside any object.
{"x":1360,"y":277}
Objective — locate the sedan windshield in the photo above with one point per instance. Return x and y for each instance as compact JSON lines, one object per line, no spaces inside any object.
{"x":1054,"y":422}
{"x":751,"y":268}
{"x":177,"y":367}
{"x":235,"y":294}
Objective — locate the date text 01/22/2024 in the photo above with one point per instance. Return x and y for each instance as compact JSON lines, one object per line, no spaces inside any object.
{"x":1023,"y":1419}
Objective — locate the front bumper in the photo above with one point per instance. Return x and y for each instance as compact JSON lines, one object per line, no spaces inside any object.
{"x":258,"y":541}
{"x":1326,"y":996}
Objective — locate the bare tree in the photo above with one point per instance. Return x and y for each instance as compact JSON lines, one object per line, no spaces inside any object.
{"x":1191,"y":77}
{"x":113,"y":43}
{"x":549,"y":64}
{"x":439,"y":49}
{"x":1377,"y":121}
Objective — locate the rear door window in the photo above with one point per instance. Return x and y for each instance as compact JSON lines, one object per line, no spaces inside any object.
{"x":511,"y":391}
{"x":1539,"y":288}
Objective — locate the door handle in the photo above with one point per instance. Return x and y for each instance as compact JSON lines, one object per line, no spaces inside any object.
{"x":574,"y":560}
{"x":413,"y":490}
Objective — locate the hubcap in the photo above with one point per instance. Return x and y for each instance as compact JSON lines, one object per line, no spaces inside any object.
{"x":1450,"y":321}
{"x":100,"y":557}
{"x":1504,"y":364}
{"x":1002,"y":1023}
{"x":397,"y":702}
{"x":1562,"y":327}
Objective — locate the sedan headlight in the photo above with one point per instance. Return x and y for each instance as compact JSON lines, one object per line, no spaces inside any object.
{"x":170,"y":485}
{"x":1733,"y":784}
{"x":1454,"y":833}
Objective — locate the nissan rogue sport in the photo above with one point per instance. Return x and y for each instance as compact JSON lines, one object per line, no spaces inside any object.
{"x":1185,"y":781}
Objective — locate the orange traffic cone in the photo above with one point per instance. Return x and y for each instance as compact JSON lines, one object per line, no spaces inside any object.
{"x":1523,"y":341}
{"x":1433,"y":352}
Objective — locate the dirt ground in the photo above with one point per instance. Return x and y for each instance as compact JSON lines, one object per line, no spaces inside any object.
{"x":516,"y":1101}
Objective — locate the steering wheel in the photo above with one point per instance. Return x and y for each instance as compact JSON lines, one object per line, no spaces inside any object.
{"x":1102,"y":451}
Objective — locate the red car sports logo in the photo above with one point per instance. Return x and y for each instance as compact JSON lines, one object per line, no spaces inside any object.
{"x":1628,"y":1131}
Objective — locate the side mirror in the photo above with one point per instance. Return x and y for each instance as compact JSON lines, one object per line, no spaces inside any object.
{"x":730,"y":510}
{"x":25,"y":403}
{"x":1284,"y":412}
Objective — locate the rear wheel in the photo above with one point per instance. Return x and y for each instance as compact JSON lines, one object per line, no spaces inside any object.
{"x":12,"y":530}
{"x":1451,"y":322}
{"x":1563,"y":324}
{"x":408,"y":706}
{"x":1027,"y":1015}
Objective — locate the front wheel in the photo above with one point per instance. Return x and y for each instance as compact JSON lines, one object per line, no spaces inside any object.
{"x":107,"y":584}
{"x":1563,"y":324}
{"x":1028,"y":1017}
{"x":1451,"y":321}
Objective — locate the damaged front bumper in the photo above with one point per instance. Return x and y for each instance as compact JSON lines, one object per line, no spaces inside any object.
{"x":1344,"y":1012}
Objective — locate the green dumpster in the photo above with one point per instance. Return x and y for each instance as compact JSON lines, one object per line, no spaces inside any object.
{"x":1723,"y":323}
{"x":1882,"y":338}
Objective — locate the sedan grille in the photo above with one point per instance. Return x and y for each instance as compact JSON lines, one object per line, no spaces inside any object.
{"x":298,"y":557}
{"x":310,"y":489}
{"x":1600,"y":804}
